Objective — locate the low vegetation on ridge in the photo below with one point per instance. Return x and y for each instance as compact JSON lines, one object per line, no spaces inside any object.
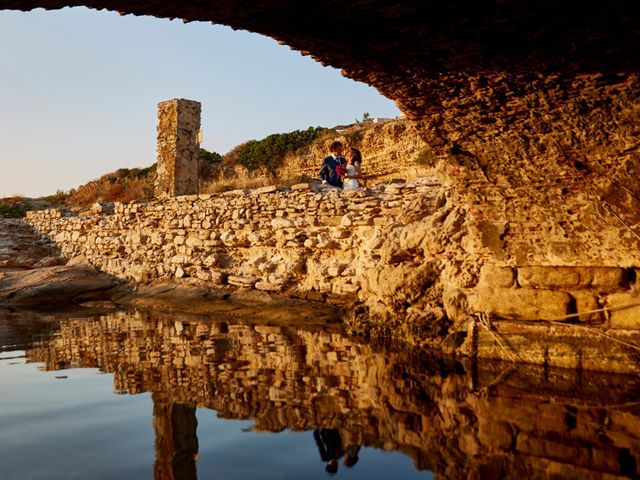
{"x":269,"y":152}
{"x":12,"y":207}
{"x":253,"y":163}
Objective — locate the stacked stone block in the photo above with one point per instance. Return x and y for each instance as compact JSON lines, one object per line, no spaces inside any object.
{"x":307,"y":241}
{"x":178,"y":148}
{"x":379,"y":246}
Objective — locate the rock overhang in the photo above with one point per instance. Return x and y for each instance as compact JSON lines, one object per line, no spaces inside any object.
{"x":411,"y":50}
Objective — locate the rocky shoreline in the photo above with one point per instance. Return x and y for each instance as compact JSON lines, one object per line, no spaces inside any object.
{"x":404,"y":265}
{"x":32,"y":276}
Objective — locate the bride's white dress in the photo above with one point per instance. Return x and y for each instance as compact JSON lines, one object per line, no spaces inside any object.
{"x":350,"y":183}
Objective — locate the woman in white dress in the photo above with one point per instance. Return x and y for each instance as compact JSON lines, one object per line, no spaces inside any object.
{"x":353,"y":171}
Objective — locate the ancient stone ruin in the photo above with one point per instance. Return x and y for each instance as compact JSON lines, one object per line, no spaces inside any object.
{"x":178,"y":148}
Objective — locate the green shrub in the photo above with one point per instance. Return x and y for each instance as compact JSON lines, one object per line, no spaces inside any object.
{"x":209,"y":163}
{"x":366,"y":118}
{"x":270,"y":151}
{"x":58,"y":199}
{"x":210,"y":157}
{"x":145,"y":172}
{"x":11,"y":211}
{"x":354,"y":137}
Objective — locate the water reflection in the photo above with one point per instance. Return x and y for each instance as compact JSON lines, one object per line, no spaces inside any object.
{"x":330,"y":448}
{"x":457,"y":421}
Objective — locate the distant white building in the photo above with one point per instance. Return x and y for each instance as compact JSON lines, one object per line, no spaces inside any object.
{"x":346,"y":128}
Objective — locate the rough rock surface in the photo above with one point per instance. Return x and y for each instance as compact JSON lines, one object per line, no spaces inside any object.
{"x":32,"y":274}
{"x":419,"y":52}
{"x":20,"y":248}
{"x":399,"y":254}
{"x":59,"y":286}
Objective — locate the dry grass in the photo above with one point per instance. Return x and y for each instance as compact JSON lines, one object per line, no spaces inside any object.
{"x":107,"y":189}
{"x":13,"y":207}
{"x":238,"y":177}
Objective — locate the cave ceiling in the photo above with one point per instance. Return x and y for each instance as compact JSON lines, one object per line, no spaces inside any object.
{"x":409,"y":49}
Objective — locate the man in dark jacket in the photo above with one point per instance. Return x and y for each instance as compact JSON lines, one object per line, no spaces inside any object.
{"x":328,"y":172}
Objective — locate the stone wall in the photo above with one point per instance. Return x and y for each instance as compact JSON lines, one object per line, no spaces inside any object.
{"x":310,"y":242}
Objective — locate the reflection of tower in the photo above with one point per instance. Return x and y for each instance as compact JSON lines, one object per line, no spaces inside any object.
{"x":176,"y":440}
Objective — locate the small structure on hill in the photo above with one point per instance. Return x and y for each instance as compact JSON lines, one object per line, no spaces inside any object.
{"x":178,"y":147}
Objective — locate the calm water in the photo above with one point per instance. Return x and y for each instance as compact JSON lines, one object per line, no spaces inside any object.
{"x":136,"y":395}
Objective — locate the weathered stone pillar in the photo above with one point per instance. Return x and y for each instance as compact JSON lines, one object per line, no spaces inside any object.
{"x":178,"y":147}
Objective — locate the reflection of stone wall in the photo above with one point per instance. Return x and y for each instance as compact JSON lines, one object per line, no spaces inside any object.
{"x":532,"y":423}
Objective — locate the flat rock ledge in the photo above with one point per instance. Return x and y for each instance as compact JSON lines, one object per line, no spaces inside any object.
{"x":246,"y":305}
{"x":59,"y":286}
{"x":82,"y":285}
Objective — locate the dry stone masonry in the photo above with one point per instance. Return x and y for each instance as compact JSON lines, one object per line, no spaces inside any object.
{"x":178,"y":148}
{"x":313,"y":241}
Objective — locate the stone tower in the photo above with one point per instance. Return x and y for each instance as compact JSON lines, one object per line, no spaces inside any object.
{"x":178,"y":147}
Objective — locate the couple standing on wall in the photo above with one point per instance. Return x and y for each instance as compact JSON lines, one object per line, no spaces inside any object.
{"x":339,"y":172}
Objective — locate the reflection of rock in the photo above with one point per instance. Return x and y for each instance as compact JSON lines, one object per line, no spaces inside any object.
{"x":54,"y":286}
{"x":526,"y":423}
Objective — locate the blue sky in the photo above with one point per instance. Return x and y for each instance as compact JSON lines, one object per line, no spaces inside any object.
{"x":79,"y":89}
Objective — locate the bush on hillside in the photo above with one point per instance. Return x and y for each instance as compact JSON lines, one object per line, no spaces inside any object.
{"x":58,"y":199}
{"x":210,"y":163}
{"x":13,"y":207}
{"x":209,"y":157}
{"x":426,"y":158}
{"x":123,"y":185}
{"x":270,"y":151}
{"x":127,"y":184}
